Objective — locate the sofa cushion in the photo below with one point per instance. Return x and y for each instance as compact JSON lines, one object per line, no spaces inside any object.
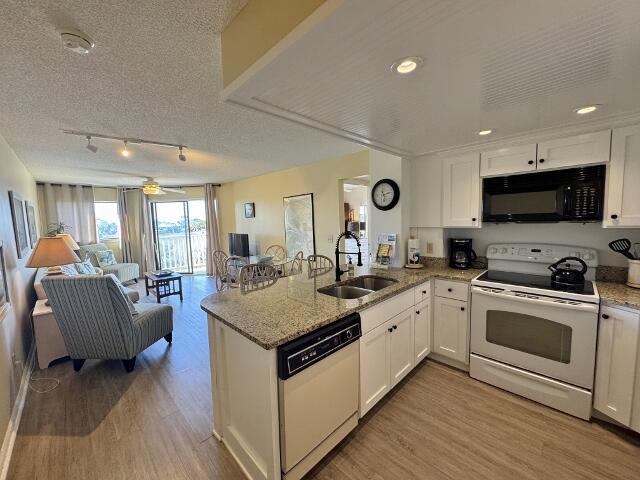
{"x":85,"y":267}
{"x":69,"y":270}
{"x":105,"y":258}
{"x":124,"y":271}
{"x":90,"y":251}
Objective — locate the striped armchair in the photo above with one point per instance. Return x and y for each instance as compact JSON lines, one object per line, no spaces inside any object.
{"x":98,"y":321}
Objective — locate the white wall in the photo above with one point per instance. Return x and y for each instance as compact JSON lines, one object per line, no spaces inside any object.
{"x":15,"y":327}
{"x":383,"y":165}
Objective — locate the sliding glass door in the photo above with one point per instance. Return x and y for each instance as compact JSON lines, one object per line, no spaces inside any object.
{"x":180,"y":235}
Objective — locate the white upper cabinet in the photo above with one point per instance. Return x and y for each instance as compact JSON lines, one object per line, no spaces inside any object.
{"x":623,"y":179}
{"x":586,"y":149}
{"x":426,"y":192}
{"x":508,"y":160}
{"x":616,"y":363}
{"x":461,"y":191}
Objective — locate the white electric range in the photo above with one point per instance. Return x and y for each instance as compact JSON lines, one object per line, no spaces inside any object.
{"x":530,"y":337}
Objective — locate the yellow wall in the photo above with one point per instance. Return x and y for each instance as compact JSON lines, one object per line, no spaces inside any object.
{"x":256,"y":29}
{"x":15,"y":324}
{"x":323,"y":179}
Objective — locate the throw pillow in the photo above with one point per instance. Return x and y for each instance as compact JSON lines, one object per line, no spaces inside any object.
{"x":69,"y":270}
{"x":86,"y":267}
{"x":130,"y":305}
{"x":105,"y":258}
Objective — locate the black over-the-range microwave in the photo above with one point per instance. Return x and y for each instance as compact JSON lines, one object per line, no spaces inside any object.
{"x":572,"y":195}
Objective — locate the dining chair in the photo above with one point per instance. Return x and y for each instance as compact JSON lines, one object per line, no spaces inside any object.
{"x":219,"y":264}
{"x":232,"y":266}
{"x":319,"y":265}
{"x":275,"y":251}
{"x":296,"y":264}
{"x":256,"y":276}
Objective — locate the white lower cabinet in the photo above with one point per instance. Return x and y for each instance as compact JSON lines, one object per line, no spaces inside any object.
{"x":450,"y":329}
{"x":375,"y":370}
{"x":386,"y":357}
{"x":401,"y":350}
{"x":422,"y":330}
{"x":616,"y":365}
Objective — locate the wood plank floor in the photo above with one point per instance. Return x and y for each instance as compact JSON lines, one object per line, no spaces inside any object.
{"x":439,"y":424}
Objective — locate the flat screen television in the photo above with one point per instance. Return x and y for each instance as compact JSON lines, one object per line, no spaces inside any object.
{"x":239,"y":244}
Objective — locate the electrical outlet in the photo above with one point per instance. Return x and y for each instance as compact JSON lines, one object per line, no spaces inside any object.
{"x":429,"y":247}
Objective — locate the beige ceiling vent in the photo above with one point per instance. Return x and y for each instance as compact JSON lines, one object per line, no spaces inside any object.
{"x":76,"y":41}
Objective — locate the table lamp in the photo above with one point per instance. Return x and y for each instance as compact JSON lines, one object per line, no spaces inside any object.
{"x":52,"y":252}
{"x":68,"y":239}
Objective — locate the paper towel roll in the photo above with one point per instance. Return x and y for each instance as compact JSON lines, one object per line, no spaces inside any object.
{"x":414,"y":244}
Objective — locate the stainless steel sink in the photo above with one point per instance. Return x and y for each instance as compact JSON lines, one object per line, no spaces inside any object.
{"x":345,"y":291}
{"x":371,"y":282}
{"x":358,"y":287}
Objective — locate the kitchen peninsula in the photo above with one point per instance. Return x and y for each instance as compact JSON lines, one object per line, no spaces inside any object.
{"x":245,"y":332}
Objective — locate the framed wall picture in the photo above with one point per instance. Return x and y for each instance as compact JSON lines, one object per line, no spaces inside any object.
{"x":19,"y":224}
{"x":249,"y":210}
{"x":299,"y":229}
{"x":4,"y":289}
{"x":31,"y":223}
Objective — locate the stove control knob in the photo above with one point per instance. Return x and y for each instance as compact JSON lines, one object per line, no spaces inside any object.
{"x":493,"y":250}
{"x":503,"y":250}
{"x":522,"y":251}
{"x":588,"y":256}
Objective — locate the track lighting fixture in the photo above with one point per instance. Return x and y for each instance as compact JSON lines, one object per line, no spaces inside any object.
{"x":91,"y":148}
{"x":125,"y":152}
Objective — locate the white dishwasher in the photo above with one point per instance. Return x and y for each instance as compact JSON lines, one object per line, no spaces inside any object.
{"x":318,"y":390}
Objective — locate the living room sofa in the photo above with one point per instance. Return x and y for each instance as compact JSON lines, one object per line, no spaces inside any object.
{"x":125,"y":272}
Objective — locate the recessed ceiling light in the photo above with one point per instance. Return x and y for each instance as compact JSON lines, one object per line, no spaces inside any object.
{"x":586,"y":109}
{"x":488,"y":131}
{"x":406,"y":65}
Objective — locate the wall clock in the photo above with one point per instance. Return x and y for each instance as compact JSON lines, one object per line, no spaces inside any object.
{"x":385,"y":194}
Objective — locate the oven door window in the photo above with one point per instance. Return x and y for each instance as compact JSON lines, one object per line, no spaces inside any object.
{"x":529,"y":334}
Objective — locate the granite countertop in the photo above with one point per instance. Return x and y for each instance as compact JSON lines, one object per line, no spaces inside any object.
{"x":293,"y":307}
{"x":613,"y":293}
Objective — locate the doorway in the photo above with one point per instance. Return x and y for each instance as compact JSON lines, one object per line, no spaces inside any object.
{"x":356,"y":214}
{"x":180,"y":235}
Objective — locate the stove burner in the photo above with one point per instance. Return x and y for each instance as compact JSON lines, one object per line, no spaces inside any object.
{"x":535,"y":281}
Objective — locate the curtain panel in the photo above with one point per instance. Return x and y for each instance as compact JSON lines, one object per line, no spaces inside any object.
{"x":125,"y":236}
{"x":72,"y":205}
{"x":213,"y":225}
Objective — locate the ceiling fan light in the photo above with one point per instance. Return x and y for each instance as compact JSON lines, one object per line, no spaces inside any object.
{"x":181,"y":156}
{"x":124,"y":152}
{"x":151,"y":189}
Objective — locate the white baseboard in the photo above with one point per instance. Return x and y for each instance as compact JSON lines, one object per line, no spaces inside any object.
{"x":16,"y":415}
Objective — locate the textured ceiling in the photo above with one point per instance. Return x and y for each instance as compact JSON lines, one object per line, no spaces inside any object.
{"x":154,"y":74}
{"x":513,"y":66}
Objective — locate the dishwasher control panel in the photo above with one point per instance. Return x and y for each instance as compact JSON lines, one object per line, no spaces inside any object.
{"x":295,"y":356}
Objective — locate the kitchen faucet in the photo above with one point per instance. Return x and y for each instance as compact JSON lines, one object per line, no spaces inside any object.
{"x":346,"y":234}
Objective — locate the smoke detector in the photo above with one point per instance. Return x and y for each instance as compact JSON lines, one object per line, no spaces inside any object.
{"x":76,"y":41}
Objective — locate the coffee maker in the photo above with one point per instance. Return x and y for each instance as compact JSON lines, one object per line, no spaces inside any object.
{"x":461,"y":253}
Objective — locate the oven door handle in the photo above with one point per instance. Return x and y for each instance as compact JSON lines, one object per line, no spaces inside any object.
{"x":509,"y":295}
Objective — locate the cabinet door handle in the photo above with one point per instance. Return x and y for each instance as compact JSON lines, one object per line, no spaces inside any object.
{"x":390,"y":329}
{"x":541,"y":160}
{"x":395,"y":327}
{"x":605,"y":316}
{"x":473,"y":219}
{"x":449,"y":289}
{"x":462,"y":308}
{"x":417,"y":312}
{"x":614,"y":216}
{"x":424,"y":292}
{"x":530,"y":162}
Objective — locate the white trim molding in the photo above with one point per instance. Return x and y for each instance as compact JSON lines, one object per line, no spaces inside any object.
{"x":16,"y":415}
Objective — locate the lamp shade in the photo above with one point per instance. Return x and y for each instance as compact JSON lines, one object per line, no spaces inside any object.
{"x":50,"y":252}
{"x":68,"y":239}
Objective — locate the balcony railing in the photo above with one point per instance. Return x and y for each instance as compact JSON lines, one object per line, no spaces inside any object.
{"x":174,"y":251}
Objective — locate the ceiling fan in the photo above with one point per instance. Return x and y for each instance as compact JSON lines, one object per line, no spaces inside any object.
{"x":151,"y":187}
